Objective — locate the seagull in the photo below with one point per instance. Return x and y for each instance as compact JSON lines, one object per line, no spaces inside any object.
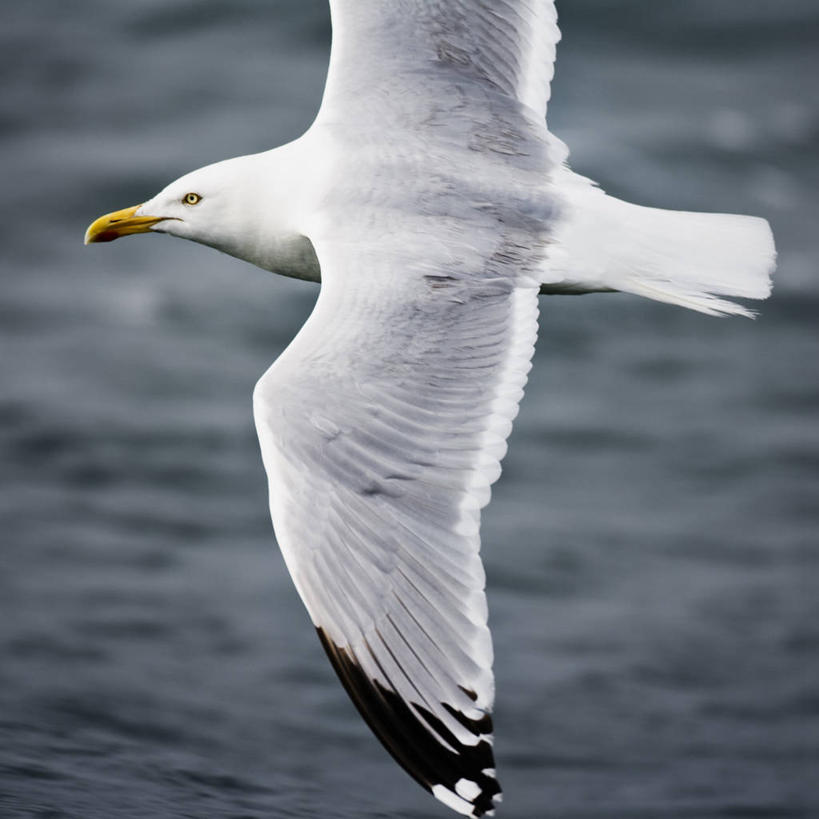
{"x":434,"y":206}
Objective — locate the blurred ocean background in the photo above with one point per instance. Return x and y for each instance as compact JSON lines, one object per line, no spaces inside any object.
{"x":652,"y":555}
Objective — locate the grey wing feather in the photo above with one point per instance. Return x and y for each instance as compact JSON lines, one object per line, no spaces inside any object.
{"x":508,"y":44}
{"x":382,"y":427}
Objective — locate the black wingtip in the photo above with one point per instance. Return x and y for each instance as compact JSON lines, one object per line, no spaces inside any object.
{"x":459,"y":775}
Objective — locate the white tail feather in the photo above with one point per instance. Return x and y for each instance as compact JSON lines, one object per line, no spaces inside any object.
{"x":689,"y":259}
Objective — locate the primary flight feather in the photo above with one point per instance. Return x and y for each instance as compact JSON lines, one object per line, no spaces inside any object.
{"x":434,"y":206}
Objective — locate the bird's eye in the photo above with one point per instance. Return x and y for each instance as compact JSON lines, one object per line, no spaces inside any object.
{"x":192,"y":199}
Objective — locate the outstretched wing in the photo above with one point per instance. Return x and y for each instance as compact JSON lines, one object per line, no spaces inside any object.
{"x":382,"y":427}
{"x":382,"y":44}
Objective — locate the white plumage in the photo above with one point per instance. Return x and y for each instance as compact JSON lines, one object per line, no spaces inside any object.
{"x":433,"y":204}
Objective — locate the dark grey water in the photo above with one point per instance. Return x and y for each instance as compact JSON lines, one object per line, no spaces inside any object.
{"x":651,"y":549}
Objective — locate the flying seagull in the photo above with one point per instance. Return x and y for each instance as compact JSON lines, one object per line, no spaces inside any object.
{"x":433,"y":204}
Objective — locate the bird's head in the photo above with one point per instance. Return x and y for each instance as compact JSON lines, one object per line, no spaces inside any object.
{"x":211,"y":205}
{"x":244,"y":207}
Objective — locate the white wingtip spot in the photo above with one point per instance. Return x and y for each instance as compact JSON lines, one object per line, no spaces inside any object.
{"x":467,"y":789}
{"x":452,"y":800}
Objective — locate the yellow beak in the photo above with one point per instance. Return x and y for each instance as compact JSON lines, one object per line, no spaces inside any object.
{"x":119,"y":223}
